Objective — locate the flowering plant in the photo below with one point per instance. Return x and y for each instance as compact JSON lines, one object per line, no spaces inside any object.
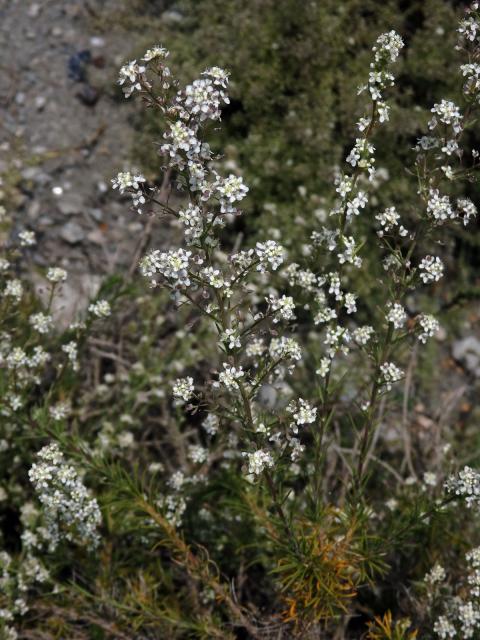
{"x":246,"y":476}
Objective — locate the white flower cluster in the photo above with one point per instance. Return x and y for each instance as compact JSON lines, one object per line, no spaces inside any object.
{"x":396,"y":315}
{"x":467,"y":208}
{"x":127,"y":182}
{"x":431,"y":269}
{"x":60,"y":410}
{"x":56,"y":275}
{"x":258,"y":461}
{"x":130,"y":77}
{"x":183,"y":389}
{"x":100,"y":309}
{"x":173,"y":265}
{"x":13,"y":289}
{"x":390,"y":374}
{"x":302,"y":413}
{"x":69,"y":509}
{"x":283,"y":308}
{"x":71,"y":350}
{"x":228,"y":191}
{"x":230,"y":376}
{"x":436,"y":575}
{"x":448,"y":113}
{"x":439,"y":207}
{"x":429,"y":325}
{"x":27,"y":238}
{"x":269,"y":253}
{"x":205,"y":96}
{"x":285,"y":348}
{"x":41,"y":322}
{"x":465,"y":484}
{"x":461,"y":617}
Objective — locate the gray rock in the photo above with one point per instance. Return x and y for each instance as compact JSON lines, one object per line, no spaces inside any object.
{"x":467,"y":352}
{"x":96,"y":236}
{"x":267,"y":396}
{"x":34,"y":10}
{"x":33,"y":209}
{"x":40,"y":102}
{"x":30,"y":173}
{"x":97,"y":214}
{"x":37,"y":175}
{"x":72,"y":233}
{"x":70,"y":204}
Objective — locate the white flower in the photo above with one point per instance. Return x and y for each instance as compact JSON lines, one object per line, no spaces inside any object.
{"x":176,"y":480}
{"x":229,"y":190}
{"x":183,"y":389}
{"x":60,"y":411}
{"x":155,"y":52}
{"x":431,"y":269}
{"x":302,"y":412}
{"x":215,"y":279}
{"x":469,"y":26}
{"x":396,"y":315}
{"x":41,"y":322}
{"x":430,"y":479}
{"x":69,"y":509}
{"x":283,"y":307}
{"x":230,"y":376}
{"x":285,"y":348}
{"x":232,"y":339}
{"x":172,"y":265}
{"x":436,"y":575}
{"x":132,"y":73}
{"x":467,"y":484}
{"x":362,"y":335}
{"x":430,"y":326}
{"x":390,"y":373}
{"x":349,"y":254}
{"x":269,"y":252}
{"x":218,"y":75}
{"x":444,"y":628}
{"x":358,"y":202}
{"x":210,"y":424}
{"x":447,"y":112}
{"x":55,"y":274}
{"x":16,"y":358}
{"x":344,"y":185}
{"x":388,"y":47}
{"x":350,"y":302}
{"x":388,"y":218}
{"x":126,"y":182}
{"x":203,"y":98}
{"x":100,"y":309}
{"x":72,"y":352}
{"x":258,"y":461}
{"x":27,"y":238}
{"x":468,"y":209}
{"x":197,"y":453}
{"x":255,"y":348}
{"x":324,"y":368}
{"x":439,"y":207}
{"x":473,"y":557}
{"x":14,"y":289}
{"x":191,"y":218}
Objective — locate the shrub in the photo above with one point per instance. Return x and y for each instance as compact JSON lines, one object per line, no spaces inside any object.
{"x":230,"y":481}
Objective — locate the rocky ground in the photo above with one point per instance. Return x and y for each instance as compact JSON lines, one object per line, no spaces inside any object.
{"x":65,"y":131}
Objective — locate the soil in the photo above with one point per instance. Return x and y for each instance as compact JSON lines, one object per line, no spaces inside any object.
{"x":65,"y":132}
